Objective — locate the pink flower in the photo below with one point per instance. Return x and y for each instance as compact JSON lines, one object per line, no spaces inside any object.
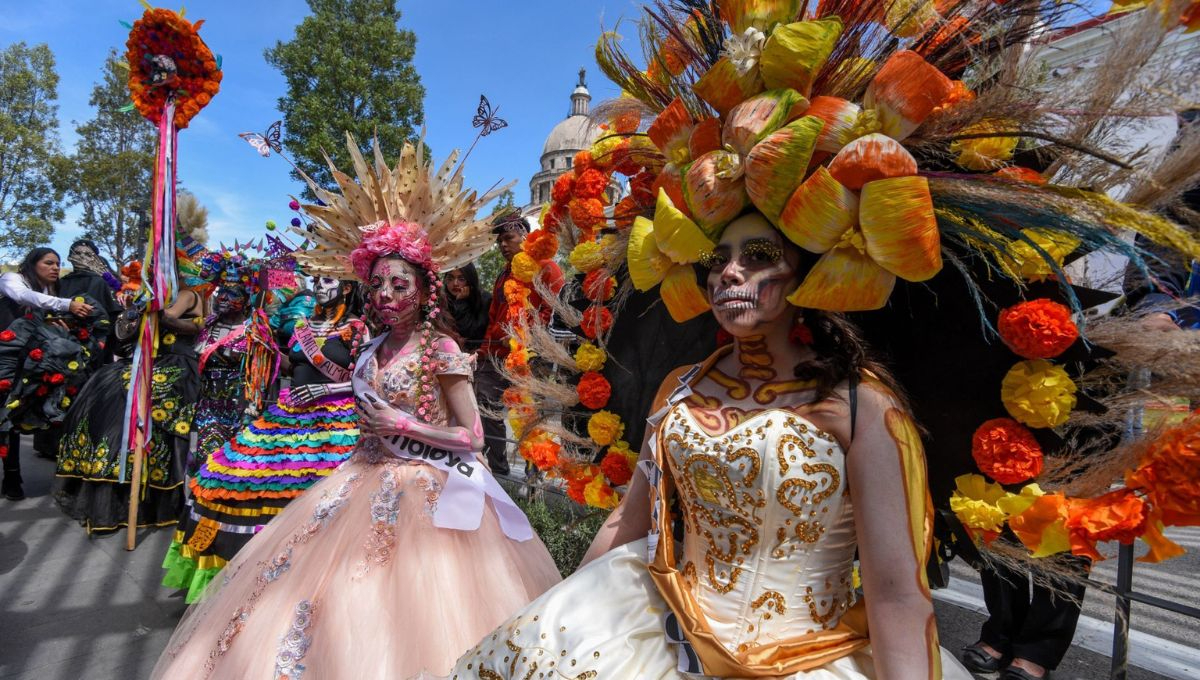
{"x":404,"y":239}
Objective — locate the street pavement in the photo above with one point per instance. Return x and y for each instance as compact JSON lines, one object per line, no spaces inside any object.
{"x":75,"y":608}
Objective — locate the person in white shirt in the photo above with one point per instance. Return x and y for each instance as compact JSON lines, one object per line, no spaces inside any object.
{"x":31,"y":287}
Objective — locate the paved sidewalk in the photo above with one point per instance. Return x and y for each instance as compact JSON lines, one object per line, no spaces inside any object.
{"x":73,"y":607}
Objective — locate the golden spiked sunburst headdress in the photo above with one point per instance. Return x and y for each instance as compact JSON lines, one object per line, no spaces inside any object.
{"x":412,"y":192}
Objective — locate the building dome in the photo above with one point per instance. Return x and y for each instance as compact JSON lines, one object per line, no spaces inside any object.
{"x":572,"y":134}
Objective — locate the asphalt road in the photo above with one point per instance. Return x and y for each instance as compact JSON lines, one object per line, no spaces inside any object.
{"x":74,"y":607}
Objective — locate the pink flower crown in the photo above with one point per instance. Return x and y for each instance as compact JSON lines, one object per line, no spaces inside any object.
{"x":402,"y":239}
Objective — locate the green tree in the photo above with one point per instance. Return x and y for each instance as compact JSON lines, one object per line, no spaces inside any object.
{"x":348,"y":69}
{"x":31,"y":191}
{"x":112,"y":170}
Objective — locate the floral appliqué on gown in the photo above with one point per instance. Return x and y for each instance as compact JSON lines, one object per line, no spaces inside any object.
{"x":352,"y":580}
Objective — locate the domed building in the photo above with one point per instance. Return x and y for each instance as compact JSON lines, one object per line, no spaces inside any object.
{"x":570,"y":136}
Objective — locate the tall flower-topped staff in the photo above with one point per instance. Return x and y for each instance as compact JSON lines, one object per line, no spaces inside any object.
{"x":172,"y":75}
{"x":410,"y":551}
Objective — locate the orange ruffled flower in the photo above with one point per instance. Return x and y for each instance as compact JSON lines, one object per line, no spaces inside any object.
{"x":593,"y":390}
{"x":578,"y":477}
{"x":596,"y":321}
{"x":583,"y":161}
{"x":598,"y":494}
{"x":1006,"y":451}
{"x":590,"y":184}
{"x":541,"y":450}
{"x":1038,"y":329}
{"x":1169,"y":474}
{"x":598,"y":285}
{"x":616,"y":468}
{"x":541,"y":245}
{"x":196,"y":80}
{"x":1116,"y":516}
{"x":564,"y":188}
{"x":586,"y":213}
{"x":552,"y":221}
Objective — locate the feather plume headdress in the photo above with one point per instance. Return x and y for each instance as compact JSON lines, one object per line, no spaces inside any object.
{"x":411,"y":193}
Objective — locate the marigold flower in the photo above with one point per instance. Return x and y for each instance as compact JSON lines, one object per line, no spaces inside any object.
{"x":541,"y":245}
{"x":616,"y":467}
{"x":590,"y":357}
{"x":605,"y":427}
{"x":593,"y":390}
{"x":1030,"y":263}
{"x":541,"y":450}
{"x":974,"y":502}
{"x":599,"y":286}
{"x":598,"y":494}
{"x":596,"y":322}
{"x":591,"y":184}
{"x":587,"y":257}
{"x":564,"y":188}
{"x":582,"y":162}
{"x":985,"y":153}
{"x":1006,"y":451}
{"x":1169,"y":474}
{"x":586,"y":213}
{"x":524,"y":267}
{"x":1116,"y":516}
{"x":1038,"y":393}
{"x":1038,"y":329}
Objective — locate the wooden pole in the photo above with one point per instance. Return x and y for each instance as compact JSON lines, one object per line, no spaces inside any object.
{"x":139,"y":445}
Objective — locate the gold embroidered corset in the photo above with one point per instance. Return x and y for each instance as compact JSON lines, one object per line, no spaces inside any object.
{"x":768,"y":525}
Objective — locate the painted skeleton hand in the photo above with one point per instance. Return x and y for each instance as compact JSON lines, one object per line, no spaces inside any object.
{"x":307,"y":394}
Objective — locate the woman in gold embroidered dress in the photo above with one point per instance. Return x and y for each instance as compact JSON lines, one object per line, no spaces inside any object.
{"x":409,"y":552}
{"x":778,"y":480}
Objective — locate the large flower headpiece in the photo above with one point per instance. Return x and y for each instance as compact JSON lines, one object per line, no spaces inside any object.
{"x":403,"y":239}
{"x":411,"y":209}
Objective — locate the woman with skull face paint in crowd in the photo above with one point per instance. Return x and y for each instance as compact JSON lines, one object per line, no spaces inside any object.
{"x":310,"y":430}
{"x":408,"y":552}
{"x":221,"y":346}
{"x":87,"y":483}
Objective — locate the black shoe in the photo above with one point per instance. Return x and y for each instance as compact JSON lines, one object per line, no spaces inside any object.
{"x":12,"y":490}
{"x":1014,"y":673}
{"x":975,"y":659}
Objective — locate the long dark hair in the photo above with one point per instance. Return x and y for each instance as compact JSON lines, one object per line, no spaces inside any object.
{"x":842,"y":351}
{"x":28,"y":268}
{"x":475,"y":297}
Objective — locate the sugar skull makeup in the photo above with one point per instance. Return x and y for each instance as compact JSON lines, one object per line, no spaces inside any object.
{"x":395,"y":292}
{"x":749,"y":276}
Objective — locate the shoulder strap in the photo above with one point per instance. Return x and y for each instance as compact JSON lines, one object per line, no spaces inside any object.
{"x":853,"y":403}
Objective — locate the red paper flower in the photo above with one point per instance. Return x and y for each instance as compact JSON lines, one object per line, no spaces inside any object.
{"x":1038,"y":329}
{"x":615,"y":467}
{"x":56,"y":378}
{"x":36,"y":354}
{"x":42,"y":391}
{"x":598,"y":285}
{"x":1006,"y":451}
{"x":7,"y":336}
{"x":593,"y":390}
{"x":596,"y":321}
{"x":563,"y":188}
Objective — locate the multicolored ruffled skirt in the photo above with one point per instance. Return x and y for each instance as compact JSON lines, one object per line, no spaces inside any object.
{"x":250,"y":479}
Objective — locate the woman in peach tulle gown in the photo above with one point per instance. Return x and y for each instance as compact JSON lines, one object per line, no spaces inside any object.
{"x":407,"y":555}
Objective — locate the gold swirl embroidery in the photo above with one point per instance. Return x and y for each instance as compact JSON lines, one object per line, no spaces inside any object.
{"x":774,"y":601}
{"x":789,"y":489}
{"x":788,"y":443}
{"x":836,"y":606}
{"x":750,"y":478}
{"x":835,"y":480}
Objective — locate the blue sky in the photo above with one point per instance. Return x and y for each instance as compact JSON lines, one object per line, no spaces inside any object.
{"x":523,"y":55}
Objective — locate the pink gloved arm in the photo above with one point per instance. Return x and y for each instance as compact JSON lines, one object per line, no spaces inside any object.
{"x":387,"y":420}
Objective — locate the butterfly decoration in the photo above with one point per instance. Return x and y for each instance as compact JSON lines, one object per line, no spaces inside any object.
{"x":486,"y":118}
{"x":266,"y":142}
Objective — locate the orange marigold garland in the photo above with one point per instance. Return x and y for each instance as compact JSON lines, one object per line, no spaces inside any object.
{"x":1038,"y":329}
{"x":1006,"y":451}
{"x":1169,"y":474}
{"x":593,"y":390}
{"x":599,"y":285}
{"x":1116,"y":516}
{"x":167,"y":58}
{"x":616,"y":468}
{"x":596,"y":322}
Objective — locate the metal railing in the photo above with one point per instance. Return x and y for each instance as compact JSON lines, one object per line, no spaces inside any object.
{"x":1125,"y":596}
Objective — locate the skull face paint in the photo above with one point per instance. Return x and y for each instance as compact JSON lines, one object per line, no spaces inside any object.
{"x":229,"y":300}
{"x":750,"y":276}
{"x":395,"y":293}
{"x":325,"y":289}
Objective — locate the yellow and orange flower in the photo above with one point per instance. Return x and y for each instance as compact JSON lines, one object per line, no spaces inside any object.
{"x":197,"y":77}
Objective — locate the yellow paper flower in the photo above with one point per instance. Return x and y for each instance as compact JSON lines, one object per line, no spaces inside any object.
{"x":975,"y":501}
{"x":605,"y":427}
{"x":587,"y":257}
{"x":985,"y":153}
{"x":524,"y":267}
{"x":590,"y":357}
{"x":73,"y":365}
{"x":158,"y":415}
{"x":598,"y":494}
{"x":169,"y":339}
{"x":1030,"y":263}
{"x":1038,"y":393}
{"x":182,"y":427}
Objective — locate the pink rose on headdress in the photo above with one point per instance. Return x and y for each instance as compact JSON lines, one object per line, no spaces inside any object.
{"x":403,"y":239}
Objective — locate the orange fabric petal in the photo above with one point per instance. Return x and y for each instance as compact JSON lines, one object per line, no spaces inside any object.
{"x":713,"y":200}
{"x":897,"y":220}
{"x":1041,"y":526}
{"x":760,"y":14}
{"x":819,"y":212}
{"x":776,"y":165}
{"x":706,"y":136}
{"x":670,"y":180}
{"x":752,"y":120}
{"x":670,"y":132}
{"x":682,"y":295}
{"x":905,"y":91}
{"x":723,"y":88}
{"x":675,"y":235}
{"x":844,"y":280}
{"x":839,"y":116}
{"x":869,"y":158}
{"x":1161,"y":547}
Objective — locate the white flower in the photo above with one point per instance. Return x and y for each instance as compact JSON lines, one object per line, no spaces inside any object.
{"x":744,"y":50}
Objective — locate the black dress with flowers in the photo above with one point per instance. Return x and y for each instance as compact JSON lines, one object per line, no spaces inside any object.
{"x":87,"y":485}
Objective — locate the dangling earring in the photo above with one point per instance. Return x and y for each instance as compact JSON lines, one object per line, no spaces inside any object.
{"x":800,"y":334}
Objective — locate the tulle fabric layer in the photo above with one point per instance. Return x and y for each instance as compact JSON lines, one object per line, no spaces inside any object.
{"x":607,"y":619}
{"x":353,"y":581}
